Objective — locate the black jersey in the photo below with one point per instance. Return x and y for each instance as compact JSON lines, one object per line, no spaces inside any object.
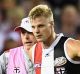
{"x":61,"y":63}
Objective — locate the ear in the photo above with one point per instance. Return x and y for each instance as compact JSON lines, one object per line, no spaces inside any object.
{"x":52,"y":23}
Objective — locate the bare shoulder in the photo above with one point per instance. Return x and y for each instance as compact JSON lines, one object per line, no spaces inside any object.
{"x":74,"y":44}
{"x":73,"y":47}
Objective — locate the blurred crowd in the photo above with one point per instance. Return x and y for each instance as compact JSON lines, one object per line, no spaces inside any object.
{"x":66,"y":14}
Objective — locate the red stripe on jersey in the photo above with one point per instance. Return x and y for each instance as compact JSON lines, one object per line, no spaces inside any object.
{"x":38,"y":58}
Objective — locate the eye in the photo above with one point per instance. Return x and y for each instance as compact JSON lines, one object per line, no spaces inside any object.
{"x":23,"y":31}
{"x":30,"y":33}
{"x":41,"y":25}
{"x":33,"y":27}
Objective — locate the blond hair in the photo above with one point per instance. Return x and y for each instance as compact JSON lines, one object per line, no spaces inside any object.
{"x":41,"y":10}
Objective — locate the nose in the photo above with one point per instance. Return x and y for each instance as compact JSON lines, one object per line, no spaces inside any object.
{"x":27,"y":35}
{"x":36,"y":30}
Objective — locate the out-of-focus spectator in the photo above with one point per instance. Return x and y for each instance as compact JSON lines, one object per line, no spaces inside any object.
{"x":69,"y":17}
{"x":13,"y":40}
{"x":77,"y":31}
{"x":4,"y":21}
{"x":27,"y":5}
{"x":16,"y":14}
{"x":6,"y":31}
{"x":4,"y":27}
{"x":8,"y":4}
{"x":16,"y":37}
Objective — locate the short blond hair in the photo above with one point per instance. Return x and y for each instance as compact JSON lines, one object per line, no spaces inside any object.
{"x":41,"y":10}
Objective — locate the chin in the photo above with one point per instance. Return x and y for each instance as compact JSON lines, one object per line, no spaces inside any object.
{"x":39,"y":40}
{"x":28,"y":45}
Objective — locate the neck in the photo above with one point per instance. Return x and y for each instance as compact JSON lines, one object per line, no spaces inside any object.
{"x":26,"y":49}
{"x":49,"y":41}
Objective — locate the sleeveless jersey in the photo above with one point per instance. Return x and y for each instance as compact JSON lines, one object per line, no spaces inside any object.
{"x":60,"y":62}
{"x":62,"y":65}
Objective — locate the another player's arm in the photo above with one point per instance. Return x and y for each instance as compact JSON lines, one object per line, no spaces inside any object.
{"x":73,"y":49}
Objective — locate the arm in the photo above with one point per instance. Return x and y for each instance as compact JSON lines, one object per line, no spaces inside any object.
{"x":73,"y":49}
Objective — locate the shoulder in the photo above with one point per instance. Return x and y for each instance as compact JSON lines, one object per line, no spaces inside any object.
{"x":14,"y":50}
{"x":72,"y":47}
{"x":4,"y":58}
{"x":17,"y":48}
{"x":7,"y":53}
{"x":72,"y":43}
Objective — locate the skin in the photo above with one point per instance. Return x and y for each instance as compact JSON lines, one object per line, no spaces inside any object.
{"x":28,"y":39}
{"x":43,"y":30}
{"x":73,"y":49}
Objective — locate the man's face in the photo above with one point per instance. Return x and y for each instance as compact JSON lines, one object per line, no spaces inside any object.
{"x":41,"y":28}
{"x":28,"y":38}
{"x":69,"y":19}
